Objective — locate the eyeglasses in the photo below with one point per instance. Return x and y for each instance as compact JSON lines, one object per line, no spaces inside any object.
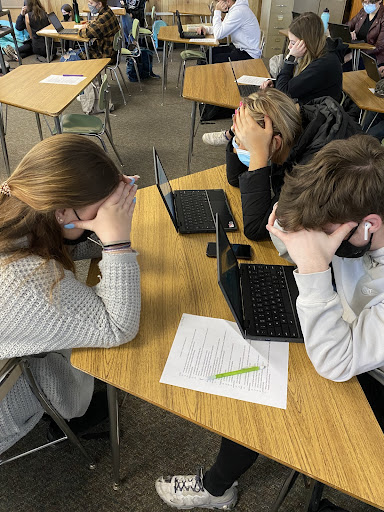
{"x":76,"y":214}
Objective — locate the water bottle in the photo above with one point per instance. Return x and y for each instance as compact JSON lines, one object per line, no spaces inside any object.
{"x":325,"y":18}
{"x":76,"y":15}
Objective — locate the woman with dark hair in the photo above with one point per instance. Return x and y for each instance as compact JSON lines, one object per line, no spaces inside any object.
{"x":32,"y":18}
{"x":45,"y":311}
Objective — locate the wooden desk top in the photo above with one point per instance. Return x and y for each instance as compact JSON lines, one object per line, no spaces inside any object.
{"x":356,"y":85}
{"x":356,"y":46}
{"x":56,"y":35}
{"x":22,"y":87}
{"x":201,"y":11}
{"x":328,"y":430}
{"x":118,"y":11}
{"x":171,"y":34}
{"x":215,"y":84}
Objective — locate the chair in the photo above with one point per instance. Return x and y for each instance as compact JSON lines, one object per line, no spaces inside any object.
{"x":135,"y":54}
{"x":145,"y":32}
{"x":10,"y":371}
{"x":262,"y":42}
{"x":117,"y":44}
{"x":187,"y":55}
{"x":82,"y":124}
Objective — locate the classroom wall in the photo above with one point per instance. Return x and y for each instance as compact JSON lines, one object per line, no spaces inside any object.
{"x":356,"y":6}
{"x":166,"y":5}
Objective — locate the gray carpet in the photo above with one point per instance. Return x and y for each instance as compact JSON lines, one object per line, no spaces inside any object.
{"x":154,"y":442}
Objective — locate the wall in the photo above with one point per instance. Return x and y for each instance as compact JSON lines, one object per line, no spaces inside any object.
{"x":356,"y":6}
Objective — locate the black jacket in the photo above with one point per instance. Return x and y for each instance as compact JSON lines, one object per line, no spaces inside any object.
{"x":322,"y":77}
{"x":323,"y":120}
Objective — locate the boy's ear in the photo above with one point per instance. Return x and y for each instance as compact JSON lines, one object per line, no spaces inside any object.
{"x":277,"y":142}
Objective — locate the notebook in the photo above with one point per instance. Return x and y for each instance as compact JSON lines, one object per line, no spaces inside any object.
{"x":262,"y":298}
{"x":186,"y":35}
{"x":244,"y":89}
{"x":342,"y":31}
{"x":59,"y":27}
{"x":371,"y":68}
{"x":193,"y":211}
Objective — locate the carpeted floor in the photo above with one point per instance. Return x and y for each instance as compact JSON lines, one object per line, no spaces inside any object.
{"x":154,"y":442}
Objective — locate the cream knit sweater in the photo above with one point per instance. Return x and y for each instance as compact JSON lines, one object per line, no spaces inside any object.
{"x":106,"y":315}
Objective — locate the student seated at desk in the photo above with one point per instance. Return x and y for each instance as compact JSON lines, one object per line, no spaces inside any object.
{"x":32,"y":18}
{"x":241,"y":24}
{"x":312,"y":68}
{"x":101,"y":31}
{"x":272,"y":134}
{"x":45,"y":311}
{"x":332,"y":210}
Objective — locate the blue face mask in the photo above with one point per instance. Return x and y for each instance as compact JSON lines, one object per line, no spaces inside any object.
{"x":93,"y":9}
{"x":242,"y":154}
{"x":369,"y":8}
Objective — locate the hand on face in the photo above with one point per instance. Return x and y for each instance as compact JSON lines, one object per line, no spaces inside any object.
{"x":298,"y":49}
{"x":311,"y":250}
{"x":222,"y":6}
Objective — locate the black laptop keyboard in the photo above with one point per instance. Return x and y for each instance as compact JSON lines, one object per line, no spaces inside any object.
{"x":271,"y":305}
{"x":196,"y":210}
{"x":193,"y":35}
{"x":247,"y":89}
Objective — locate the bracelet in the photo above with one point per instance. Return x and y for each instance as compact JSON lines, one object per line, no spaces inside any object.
{"x":119,"y":242}
{"x":117,"y":247}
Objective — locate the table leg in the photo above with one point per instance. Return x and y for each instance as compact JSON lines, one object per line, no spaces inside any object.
{"x":165,"y":65}
{"x":191,"y":136}
{"x":47,"y":50}
{"x":287,"y":486}
{"x":315,"y":493}
{"x":57,"y":124}
{"x":4,"y":145}
{"x":86,"y":50}
{"x":113,"y":409}
{"x":38,"y":122}
{"x":371,"y":123}
{"x":210,"y":54}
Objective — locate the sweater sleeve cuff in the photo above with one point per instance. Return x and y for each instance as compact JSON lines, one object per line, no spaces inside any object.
{"x":119,"y":257}
{"x":315,"y":287}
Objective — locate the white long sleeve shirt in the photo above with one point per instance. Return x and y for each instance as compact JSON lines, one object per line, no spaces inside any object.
{"x":241,"y":24}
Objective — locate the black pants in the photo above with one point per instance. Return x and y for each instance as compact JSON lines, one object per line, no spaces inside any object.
{"x":233,"y":459}
{"x":221,"y":54}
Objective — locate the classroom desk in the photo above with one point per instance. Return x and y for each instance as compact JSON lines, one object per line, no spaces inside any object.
{"x":22,"y":89}
{"x":49,"y":32}
{"x":328,"y":430}
{"x":357,"y":84}
{"x":202,"y":12}
{"x":214,"y":84}
{"x":170,"y":35}
{"x":355,"y":47}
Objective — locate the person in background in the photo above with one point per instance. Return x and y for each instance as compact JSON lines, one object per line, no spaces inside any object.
{"x":67,"y":12}
{"x":101,"y":31}
{"x":32,"y":18}
{"x":241,"y":25}
{"x":45,"y":311}
{"x":312,"y":69}
{"x":368,"y":26}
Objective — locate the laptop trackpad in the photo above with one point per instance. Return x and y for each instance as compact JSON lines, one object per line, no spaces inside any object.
{"x":219,"y":205}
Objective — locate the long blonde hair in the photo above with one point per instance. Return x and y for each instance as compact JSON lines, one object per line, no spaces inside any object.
{"x":309,"y":28}
{"x":64,"y":171}
{"x":285,"y":117}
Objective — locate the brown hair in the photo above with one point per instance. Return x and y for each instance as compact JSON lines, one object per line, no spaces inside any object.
{"x":309,"y":28}
{"x":285,"y":117}
{"x":35,"y":7}
{"x":343,"y":182}
{"x":64,"y":171}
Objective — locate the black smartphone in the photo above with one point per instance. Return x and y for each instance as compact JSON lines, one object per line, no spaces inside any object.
{"x":242,"y":251}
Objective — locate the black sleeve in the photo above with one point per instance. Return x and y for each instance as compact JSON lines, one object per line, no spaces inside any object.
{"x":256,"y":202}
{"x":20,"y":23}
{"x":284,"y":77}
{"x":234,"y":166}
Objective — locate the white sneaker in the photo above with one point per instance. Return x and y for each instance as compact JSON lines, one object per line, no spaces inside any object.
{"x":215,"y":138}
{"x":10,"y":52}
{"x":187,"y":491}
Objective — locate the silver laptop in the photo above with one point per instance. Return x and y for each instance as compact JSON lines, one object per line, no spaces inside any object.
{"x":59,"y":27}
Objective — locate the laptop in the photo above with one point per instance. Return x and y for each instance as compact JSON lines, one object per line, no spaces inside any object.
{"x":262,"y":298}
{"x":244,"y":89}
{"x":342,"y":31}
{"x":59,"y":27}
{"x":371,"y":68}
{"x":193,"y":211}
{"x":186,"y":35}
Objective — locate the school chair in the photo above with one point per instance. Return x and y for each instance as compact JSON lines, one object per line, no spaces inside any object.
{"x":117,"y":45}
{"x":10,"y":371}
{"x":134,"y":53}
{"x":187,"y":55}
{"x":262,"y":42}
{"x":82,"y":124}
{"x":146,"y":32}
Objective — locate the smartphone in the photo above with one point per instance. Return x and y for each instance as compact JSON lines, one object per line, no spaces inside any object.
{"x":242,"y":251}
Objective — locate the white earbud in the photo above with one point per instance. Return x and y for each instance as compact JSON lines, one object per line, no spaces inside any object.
{"x":367,"y":225}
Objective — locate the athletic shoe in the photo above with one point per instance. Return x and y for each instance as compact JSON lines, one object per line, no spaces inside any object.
{"x":187,"y":491}
{"x":215,"y":138}
{"x":10,"y":52}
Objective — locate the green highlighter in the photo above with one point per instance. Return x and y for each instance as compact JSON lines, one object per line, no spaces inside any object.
{"x":236,"y":372}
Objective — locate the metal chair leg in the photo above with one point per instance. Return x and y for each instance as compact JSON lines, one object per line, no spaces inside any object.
{"x":154,"y":47}
{"x":182,"y":79}
{"x":114,"y":147}
{"x":178,"y":76}
{"x":114,"y":433}
{"x":137,"y":73}
{"x":119,"y":85}
{"x":287,"y":486}
{"x":122,"y":76}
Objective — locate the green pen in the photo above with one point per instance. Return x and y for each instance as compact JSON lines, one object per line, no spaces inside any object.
{"x":236,"y":372}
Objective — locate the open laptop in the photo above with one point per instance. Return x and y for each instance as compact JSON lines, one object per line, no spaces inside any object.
{"x":193,"y":211}
{"x":342,"y":31}
{"x":262,"y":298}
{"x":186,"y":35}
{"x":59,"y":27}
{"x":244,"y":89}
{"x":371,"y":68}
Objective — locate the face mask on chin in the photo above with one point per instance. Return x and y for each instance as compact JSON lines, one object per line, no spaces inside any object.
{"x":348,"y":250}
{"x":93,"y":9}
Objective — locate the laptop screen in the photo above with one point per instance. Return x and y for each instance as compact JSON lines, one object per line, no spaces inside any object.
{"x":179,"y":24}
{"x":164,"y":187}
{"x":55,"y":21}
{"x":228,"y":274}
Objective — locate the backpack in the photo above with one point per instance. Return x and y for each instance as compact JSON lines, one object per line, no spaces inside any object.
{"x":144,"y":65}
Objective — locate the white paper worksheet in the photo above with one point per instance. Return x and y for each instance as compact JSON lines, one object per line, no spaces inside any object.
{"x":251,"y":80}
{"x":63,"y":79}
{"x":206,"y":346}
